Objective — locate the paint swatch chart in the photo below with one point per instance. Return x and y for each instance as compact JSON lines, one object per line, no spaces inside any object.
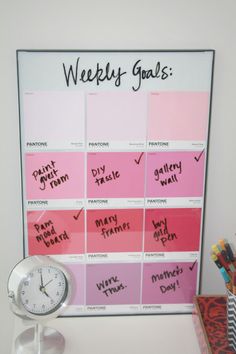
{"x":114,"y":157}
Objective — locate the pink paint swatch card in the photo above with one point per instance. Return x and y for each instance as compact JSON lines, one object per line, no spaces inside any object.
{"x":113,"y":284}
{"x":172,"y":230}
{"x":114,"y":230}
{"x":54,"y":116}
{"x":178,"y":116}
{"x":175,"y":174}
{"x":54,"y":175}
{"x":115,"y":175}
{"x":77,"y":274}
{"x":56,"y":232}
{"x":116,"y":116}
{"x":169,"y":283}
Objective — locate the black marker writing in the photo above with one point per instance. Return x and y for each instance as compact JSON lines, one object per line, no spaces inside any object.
{"x":110,"y":286}
{"x":97,"y":74}
{"x":101,"y":178}
{"x":170,"y":287}
{"x":115,"y":230}
{"x":47,"y":234}
{"x":168,"y":275}
{"x":48,"y":175}
{"x":162,"y":233}
{"x":167,"y":168}
{"x":109,"y":226}
{"x":106,"y":221}
{"x":158,"y":72}
{"x":193,"y":265}
{"x":98,"y":171}
{"x":174,"y":168}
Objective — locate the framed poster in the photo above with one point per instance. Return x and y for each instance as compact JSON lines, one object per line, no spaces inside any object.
{"x":114,"y":153}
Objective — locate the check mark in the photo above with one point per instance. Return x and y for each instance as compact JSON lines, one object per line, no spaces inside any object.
{"x":193,"y":265}
{"x":198,"y":158}
{"x":139,"y":159}
{"x":76,"y":217}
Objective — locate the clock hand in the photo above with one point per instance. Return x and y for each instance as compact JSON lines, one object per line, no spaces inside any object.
{"x":42,"y":286}
{"x":48,"y":283}
{"x":41,"y":278}
{"x":43,"y":290}
{"x":46,"y":293}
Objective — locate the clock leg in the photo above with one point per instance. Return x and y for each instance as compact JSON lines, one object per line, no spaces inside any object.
{"x":40,"y":340}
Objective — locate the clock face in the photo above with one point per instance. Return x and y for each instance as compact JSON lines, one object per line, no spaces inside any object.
{"x":44,"y":290}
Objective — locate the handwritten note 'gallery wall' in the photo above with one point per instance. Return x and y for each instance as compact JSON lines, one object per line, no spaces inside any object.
{"x":114,"y":150}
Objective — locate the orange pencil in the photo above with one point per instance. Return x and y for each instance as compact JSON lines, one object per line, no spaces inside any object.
{"x":234,"y":283}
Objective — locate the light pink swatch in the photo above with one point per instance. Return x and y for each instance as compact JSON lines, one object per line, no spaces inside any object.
{"x":54,"y":115}
{"x":77,"y":274}
{"x":116,"y":116}
{"x":178,"y":116}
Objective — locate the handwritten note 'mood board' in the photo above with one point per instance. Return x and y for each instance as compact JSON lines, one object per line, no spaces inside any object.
{"x":114,"y":149}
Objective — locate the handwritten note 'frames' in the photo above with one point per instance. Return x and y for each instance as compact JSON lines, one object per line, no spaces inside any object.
{"x":54,"y":175}
{"x":114,"y":230}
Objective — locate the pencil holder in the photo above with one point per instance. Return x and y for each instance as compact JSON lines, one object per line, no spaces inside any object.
{"x":231,"y":319}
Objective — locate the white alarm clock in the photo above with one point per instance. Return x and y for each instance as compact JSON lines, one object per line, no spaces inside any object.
{"x":39,"y":289}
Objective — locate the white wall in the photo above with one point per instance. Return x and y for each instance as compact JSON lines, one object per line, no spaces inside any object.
{"x":121,"y":24}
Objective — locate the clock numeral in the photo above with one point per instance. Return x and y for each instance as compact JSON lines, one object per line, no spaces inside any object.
{"x":23,"y":292}
{"x":56,"y":275}
{"x":26,"y":301}
{"x":59,"y":284}
{"x":31,"y":275}
{"x":52,"y":302}
{"x":26,"y":283}
{"x":57,"y":293}
{"x":40,"y":270}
